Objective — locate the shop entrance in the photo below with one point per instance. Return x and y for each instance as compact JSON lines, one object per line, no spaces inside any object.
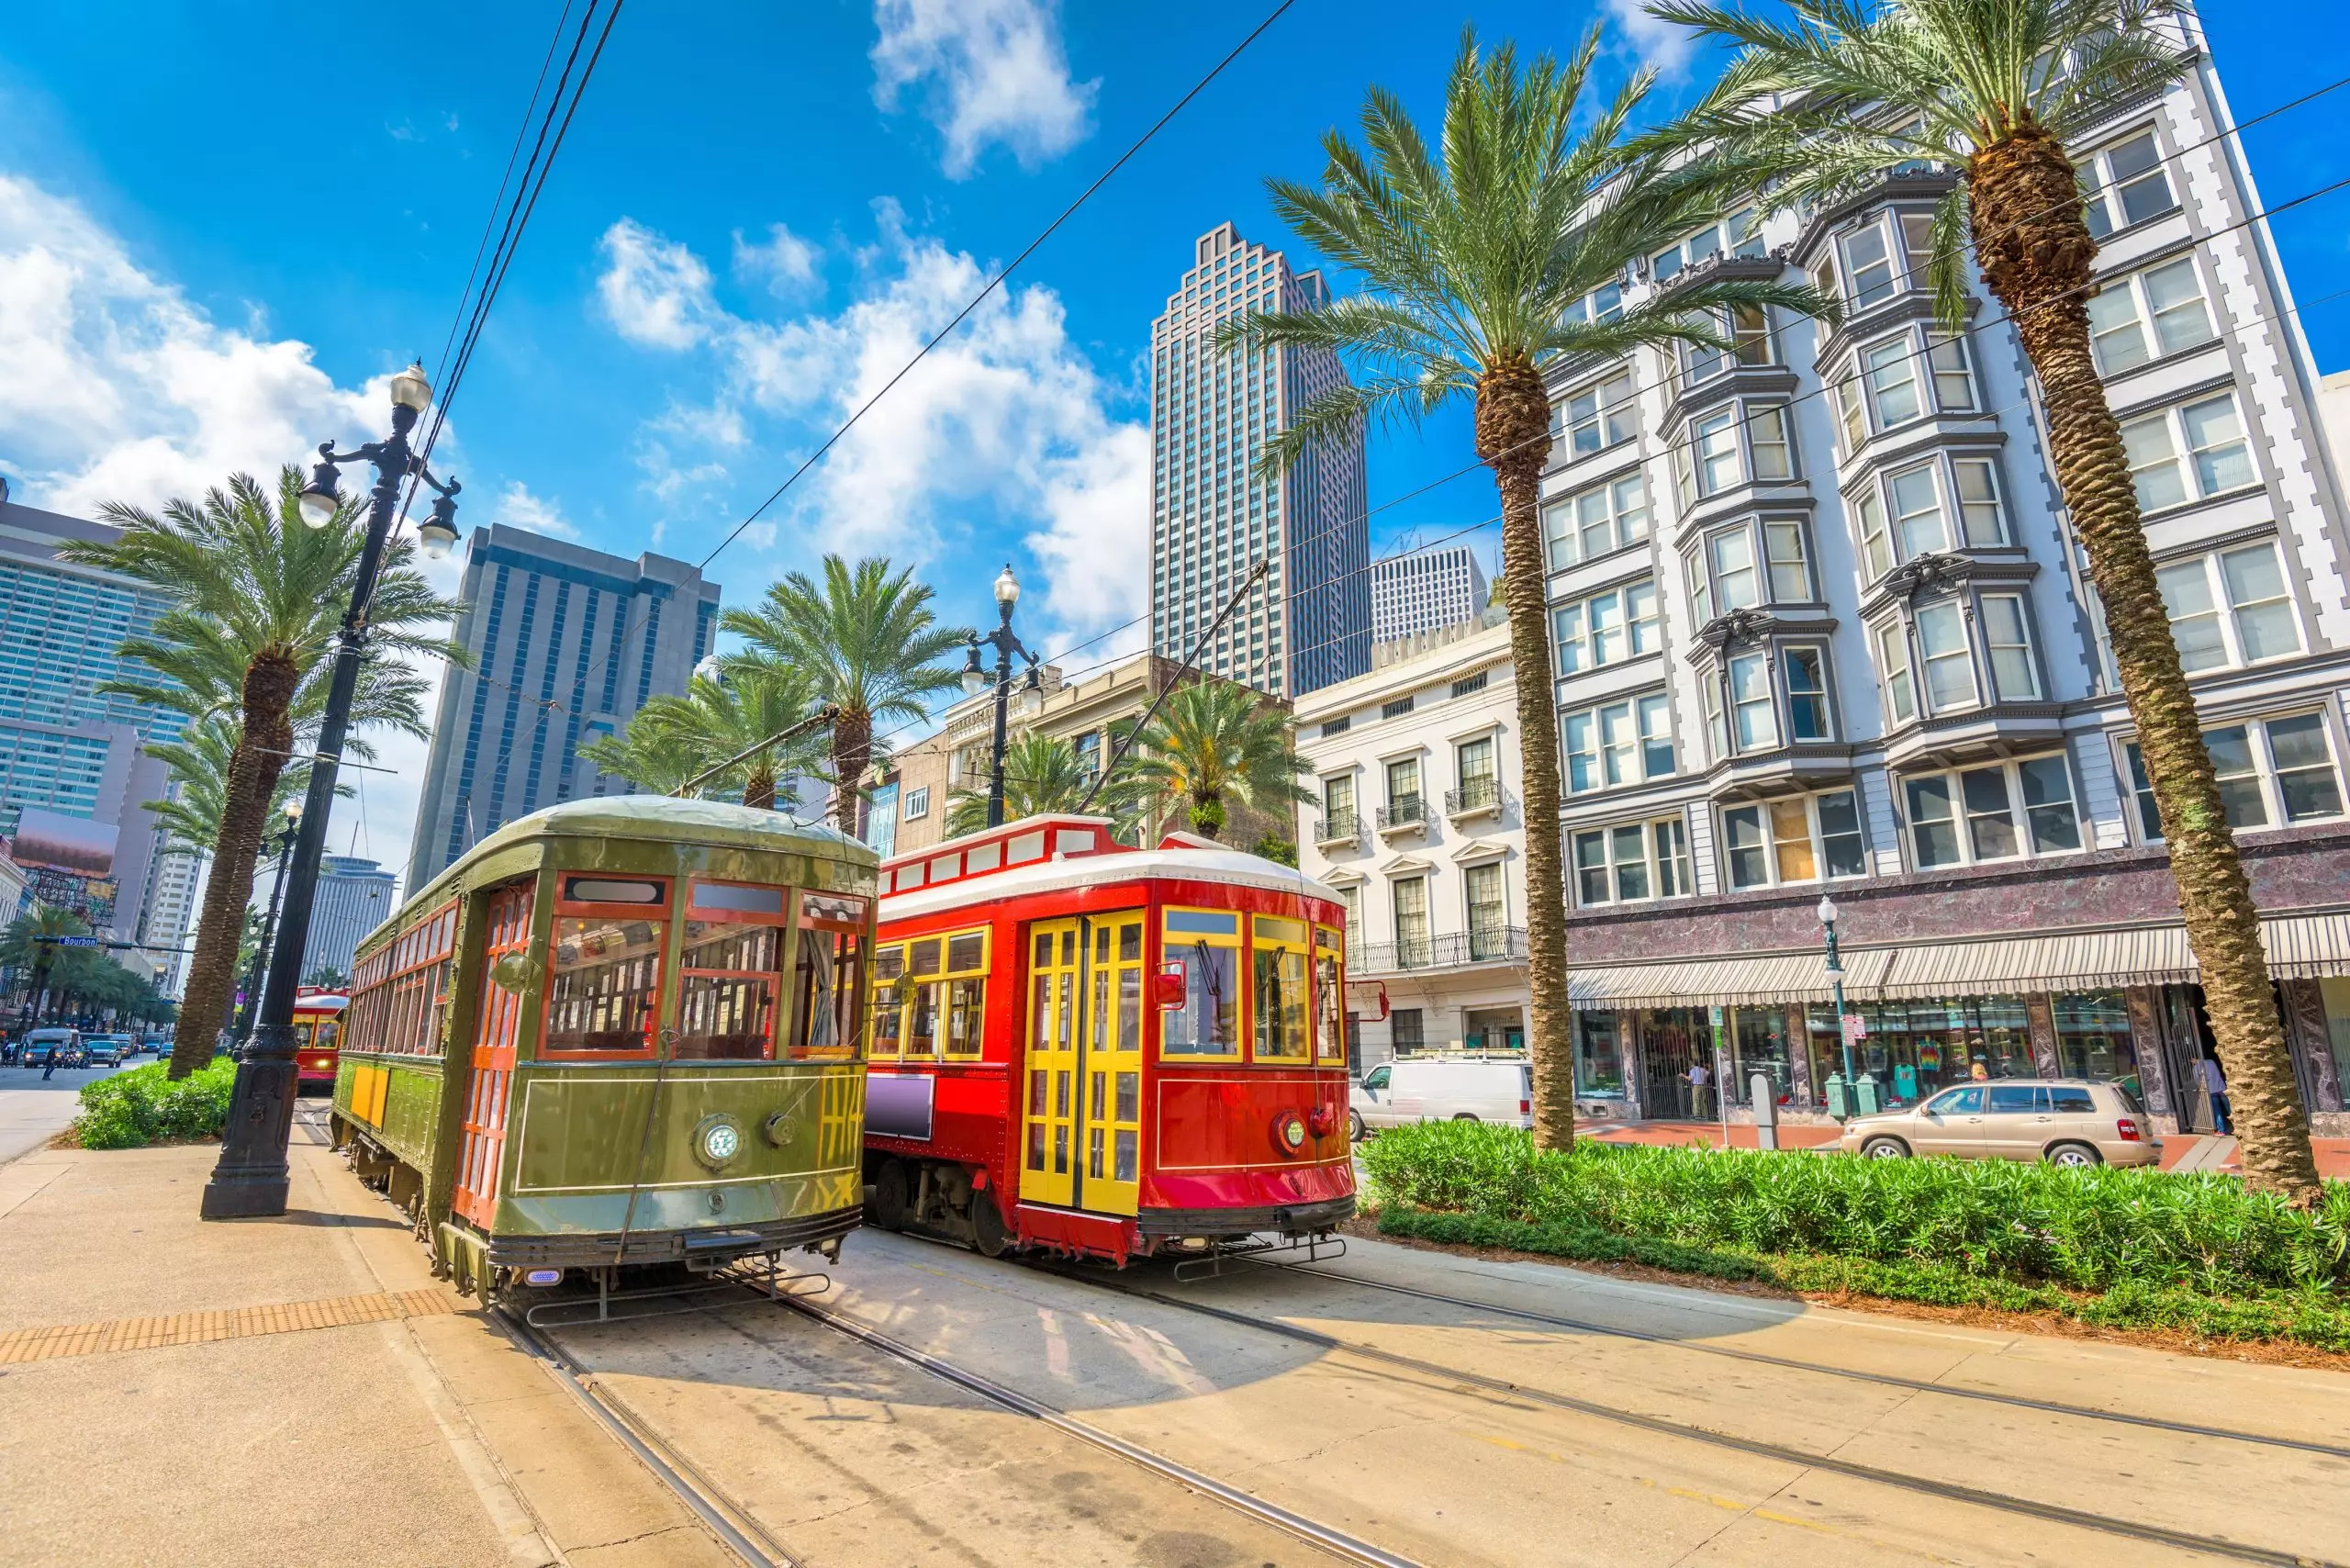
{"x":1672,"y":1040}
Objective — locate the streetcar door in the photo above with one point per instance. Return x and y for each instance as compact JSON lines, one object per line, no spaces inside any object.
{"x":1048,"y":1113}
{"x":497,"y":1025}
{"x":1112,"y":1064}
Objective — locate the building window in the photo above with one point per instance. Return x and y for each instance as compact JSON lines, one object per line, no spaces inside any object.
{"x":2189,"y":452}
{"x":1397,"y":709}
{"x":918,"y":803}
{"x":1468,"y":685}
{"x":1753,"y":726}
{"x":1891,"y":372}
{"x":1790,"y":576}
{"x":1488,"y":911}
{"x":1707,"y":463}
{"x":1732,"y":555}
{"x":1893,"y":659}
{"x":1338,"y":820}
{"x":1618,"y":743}
{"x":1405,"y":1029}
{"x":1746,"y":329}
{"x":1799,"y":839}
{"x":1607,"y":628}
{"x":2148,"y":315}
{"x":1598,"y":521}
{"x":1480,"y":780}
{"x":1632,"y":861}
{"x":2272,"y":772}
{"x":2230,"y":609}
{"x":1751,"y":720}
{"x":1914,"y":517}
{"x":1596,"y":418}
{"x":1949,"y":667}
{"x":2124,"y":184}
{"x":1411,"y":895}
{"x":1089,"y":754}
{"x":2000,"y":812}
{"x":2008,"y":643}
{"x":1403,"y":790}
{"x":1868,"y":266}
{"x":1805,"y":673}
{"x":1336,"y":726}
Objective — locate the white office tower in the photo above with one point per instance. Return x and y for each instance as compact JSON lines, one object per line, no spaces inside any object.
{"x":1211,"y":519}
{"x":1425,"y":591}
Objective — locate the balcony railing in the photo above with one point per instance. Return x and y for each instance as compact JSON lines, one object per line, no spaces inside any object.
{"x":1337,"y":828}
{"x":1404,"y":811}
{"x":1445,"y":950}
{"x":1475,"y":797}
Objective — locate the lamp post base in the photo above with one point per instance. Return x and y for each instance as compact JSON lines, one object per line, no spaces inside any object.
{"x":249,"y":1181}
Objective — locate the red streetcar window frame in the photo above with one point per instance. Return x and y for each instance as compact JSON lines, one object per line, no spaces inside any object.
{"x":564,"y":906}
{"x":779,"y":918}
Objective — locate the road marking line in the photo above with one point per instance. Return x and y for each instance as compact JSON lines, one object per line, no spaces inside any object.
{"x":206,"y":1327}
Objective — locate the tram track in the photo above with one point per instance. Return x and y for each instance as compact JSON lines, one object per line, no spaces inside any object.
{"x":1483,"y":1385}
{"x":1853,"y":1375}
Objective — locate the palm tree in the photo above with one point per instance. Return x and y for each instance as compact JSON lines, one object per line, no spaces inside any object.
{"x":1475,"y":272}
{"x":1997,"y":90}
{"x":1213,"y":741}
{"x":1041,"y":774}
{"x":653,"y":759}
{"x":199,"y":762}
{"x":720,"y":717}
{"x":869,"y":644}
{"x":30,"y":945}
{"x":257,"y":597}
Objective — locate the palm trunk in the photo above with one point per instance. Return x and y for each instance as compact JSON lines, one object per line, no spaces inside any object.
{"x":851,"y":749}
{"x":2035,"y":248}
{"x":758,"y":789}
{"x":253,"y":767}
{"x":1513,"y":420}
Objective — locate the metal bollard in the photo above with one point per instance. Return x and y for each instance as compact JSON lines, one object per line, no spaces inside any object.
{"x":1765,"y":1097}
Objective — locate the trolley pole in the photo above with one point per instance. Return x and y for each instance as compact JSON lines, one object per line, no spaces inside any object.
{"x":251,"y":1178}
{"x":975,"y":680}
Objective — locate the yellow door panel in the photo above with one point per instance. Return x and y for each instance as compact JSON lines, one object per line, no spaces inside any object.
{"x":1050,"y":1101}
{"x":1112,"y":1064}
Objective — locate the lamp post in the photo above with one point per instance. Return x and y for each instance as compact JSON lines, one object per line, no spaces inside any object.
{"x":282,"y":843}
{"x":975,"y":680}
{"x":251,"y":1178}
{"x":1851,"y":1083}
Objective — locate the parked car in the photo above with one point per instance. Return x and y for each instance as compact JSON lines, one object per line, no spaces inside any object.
{"x":66,"y":1042}
{"x":2068,"y":1121}
{"x":105,"y":1051}
{"x":1443,"y":1089}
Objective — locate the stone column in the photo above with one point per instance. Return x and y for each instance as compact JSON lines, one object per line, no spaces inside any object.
{"x":2146,"y":1043}
{"x":2041,"y":1013}
{"x":2305,"y":1029}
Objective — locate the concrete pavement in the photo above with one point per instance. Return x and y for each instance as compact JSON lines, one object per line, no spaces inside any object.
{"x":295,"y":1390}
{"x":34,"y":1110}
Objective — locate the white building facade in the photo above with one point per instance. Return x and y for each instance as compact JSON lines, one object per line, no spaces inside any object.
{"x":1212,"y":519}
{"x":1425,"y":591}
{"x":1821,"y":626}
{"x":1417,"y":829}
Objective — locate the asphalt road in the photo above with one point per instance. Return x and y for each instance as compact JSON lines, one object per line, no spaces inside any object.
{"x":34,"y":1110}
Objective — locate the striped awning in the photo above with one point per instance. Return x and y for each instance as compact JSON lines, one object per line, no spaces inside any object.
{"x":2300,"y":946}
{"x":1750,"y":978}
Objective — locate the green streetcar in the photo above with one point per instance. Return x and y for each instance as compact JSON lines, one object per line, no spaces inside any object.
{"x":617,"y":1033}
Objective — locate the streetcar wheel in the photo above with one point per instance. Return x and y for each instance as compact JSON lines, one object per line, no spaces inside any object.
{"x":886,"y":1207}
{"x":987,"y":1226}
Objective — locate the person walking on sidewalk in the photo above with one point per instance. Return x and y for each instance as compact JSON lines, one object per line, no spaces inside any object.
{"x":2215,"y":1086}
{"x":56,"y":1049}
{"x":1697,"y":1077}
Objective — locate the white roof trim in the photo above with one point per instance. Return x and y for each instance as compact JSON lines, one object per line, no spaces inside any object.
{"x":1227,"y":866}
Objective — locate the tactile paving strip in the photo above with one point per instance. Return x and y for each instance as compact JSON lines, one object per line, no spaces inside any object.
{"x":204,"y":1327}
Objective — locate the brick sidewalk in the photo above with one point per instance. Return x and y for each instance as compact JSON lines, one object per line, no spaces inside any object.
{"x":291,"y":1391}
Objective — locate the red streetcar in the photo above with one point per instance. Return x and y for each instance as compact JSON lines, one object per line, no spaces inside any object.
{"x":1116,"y":1053}
{"x":317,"y":1023}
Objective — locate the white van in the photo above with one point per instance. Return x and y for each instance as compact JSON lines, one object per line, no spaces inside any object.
{"x":1443,"y":1089}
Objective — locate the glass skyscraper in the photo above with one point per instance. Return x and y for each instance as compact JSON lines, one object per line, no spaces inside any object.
{"x":567,"y":644}
{"x":1309,"y":623}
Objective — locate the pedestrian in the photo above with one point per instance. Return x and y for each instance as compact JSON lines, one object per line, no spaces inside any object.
{"x":1979,"y":1072}
{"x":56,"y":1048}
{"x":2215,"y":1085}
{"x":1699,"y":1090}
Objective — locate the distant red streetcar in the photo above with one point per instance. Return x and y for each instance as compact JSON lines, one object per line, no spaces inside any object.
{"x":318,"y":1027}
{"x":1098,"y":1051}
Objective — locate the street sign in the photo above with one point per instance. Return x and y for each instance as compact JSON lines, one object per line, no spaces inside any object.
{"x":1714,"y":1015}
{"x":1856,"y":1028}
{"x":77,"y":941}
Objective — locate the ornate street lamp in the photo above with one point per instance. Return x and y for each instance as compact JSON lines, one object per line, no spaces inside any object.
{"x":1852,"y":1083}
{"x":975,"y":680}
{"x":250,"y":1177}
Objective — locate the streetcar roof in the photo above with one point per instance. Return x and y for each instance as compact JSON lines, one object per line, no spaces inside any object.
{"x":1171,"y":862}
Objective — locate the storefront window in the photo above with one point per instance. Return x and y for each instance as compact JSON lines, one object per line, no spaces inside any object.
{"x":1599,"y":1056}
{"x":1759,"y":1038}
{"x":2336,"y":994}
{"x":2093,"y":1038}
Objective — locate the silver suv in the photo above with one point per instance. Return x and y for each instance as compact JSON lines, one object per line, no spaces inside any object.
{"x":2065,"y":1120}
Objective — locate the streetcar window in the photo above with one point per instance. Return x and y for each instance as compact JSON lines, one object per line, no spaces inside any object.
{"x":828,"y":988}
{"x":1027,"y":846}
{"x":888,"y":963}
{"x":921,"y":1024}
{"x":1208,"y":1024}
{"x":966,"y":1011}
{"x":923,"y":957}
{"x":1329,"y":1009}
{"x":1130,"y":944}
{"x":966,"y":951}
{"x":947,"y":868}
{"x":1280,"y":1002}
{"x":1271,"y":930}
{"x":605,"y":889}
{"x":727,"y":988}
{"x":983,"y":857}
{"x":1201,"y":922}
{"x":1326,"y":938}
{"x":301,"y":1035}
{"x":603,"y":984}
{"x":735,"y":898}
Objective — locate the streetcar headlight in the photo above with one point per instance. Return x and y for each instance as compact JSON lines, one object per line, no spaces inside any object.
{"x":1290,"y":1132}
{"x":717,"y":1141}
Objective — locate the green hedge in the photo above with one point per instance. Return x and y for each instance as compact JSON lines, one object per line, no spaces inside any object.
{"x":134,"y":1108}
{"x":2135,"y":1235}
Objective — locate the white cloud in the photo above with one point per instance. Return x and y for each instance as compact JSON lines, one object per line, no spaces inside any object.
{"x":655,"y":291}
{"x":995,"y":71}
{"x":518,"y":506}
{"x":1004,"y":428}
{"x":786,"y":262}
{"x":116,"y":387}
{"x":1667,"y":46}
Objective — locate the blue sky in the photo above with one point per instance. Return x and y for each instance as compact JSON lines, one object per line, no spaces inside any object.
{"x":221,"y":226}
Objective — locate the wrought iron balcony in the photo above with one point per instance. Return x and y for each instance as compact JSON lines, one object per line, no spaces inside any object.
{"x":1402,"y":812}
{"x":1338,"y":829}
{"x":1476,"y":797}
{"x":1444,"y":950}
